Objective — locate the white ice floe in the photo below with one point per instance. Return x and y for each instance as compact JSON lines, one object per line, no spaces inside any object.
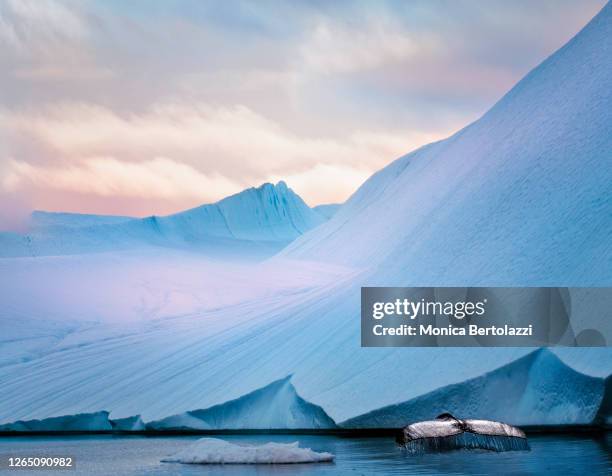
{"x":215,"y":451}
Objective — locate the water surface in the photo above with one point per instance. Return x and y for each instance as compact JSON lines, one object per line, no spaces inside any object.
{"x":137,"y":455}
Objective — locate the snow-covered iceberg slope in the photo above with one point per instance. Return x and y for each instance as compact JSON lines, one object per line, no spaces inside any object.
{"x":256,"y":221}
{"x":327,"y":210}
{"x":47,"y":297}
{"x":519,"y":198}
{"x":274,"y":406}
{"x":537,"y":389}
{"x":216,"y":451}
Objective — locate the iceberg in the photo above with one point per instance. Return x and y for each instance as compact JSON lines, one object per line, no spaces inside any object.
{"x":275,"y":406}
{"x":133,"y":423}
{"x":97,"y":421}
{"x":538,"y":389}
{"x":521,"y":197}
{"x":256,"y":222}
{"x":216,"y":451}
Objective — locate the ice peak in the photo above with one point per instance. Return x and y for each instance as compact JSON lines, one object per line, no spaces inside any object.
{"x":280,"y":188}
{"x":282,"y":185}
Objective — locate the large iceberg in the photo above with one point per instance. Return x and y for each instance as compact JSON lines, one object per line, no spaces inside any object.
{"x":521,"y":197}
{"x":257,"y":221}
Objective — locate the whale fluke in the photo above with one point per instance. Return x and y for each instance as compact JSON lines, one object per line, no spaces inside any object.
{"x":447,"y":432}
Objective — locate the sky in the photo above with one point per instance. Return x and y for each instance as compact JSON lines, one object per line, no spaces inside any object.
{"x":151,"y":107}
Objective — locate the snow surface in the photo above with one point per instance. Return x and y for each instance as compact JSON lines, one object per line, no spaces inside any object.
{"x":327,"y":210}
{"x":216,"y":451}
{"x":519,"y":198}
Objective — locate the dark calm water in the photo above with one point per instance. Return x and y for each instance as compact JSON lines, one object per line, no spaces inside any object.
{"x":125,"y":455}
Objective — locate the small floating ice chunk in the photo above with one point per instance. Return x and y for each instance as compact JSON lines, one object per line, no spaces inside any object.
{"x":216,"y":451}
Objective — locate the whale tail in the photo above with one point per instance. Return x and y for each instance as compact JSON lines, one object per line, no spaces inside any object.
{"x":470,"y":441}
{"x":449,"y":433}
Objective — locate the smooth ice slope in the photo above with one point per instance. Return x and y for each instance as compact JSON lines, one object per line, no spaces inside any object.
{"x":538,"y":389}
{"x":275,"y":406}
{"x":216,"y":451}
{"x":521,"y":196}
{"x":327,"y":210}
{"x":55,"y":303}
{"x":257,"y":221}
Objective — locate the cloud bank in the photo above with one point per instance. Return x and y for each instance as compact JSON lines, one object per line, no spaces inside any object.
{"x":142,"y":108}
